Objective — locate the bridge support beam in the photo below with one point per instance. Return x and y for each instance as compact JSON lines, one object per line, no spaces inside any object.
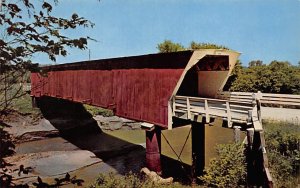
{"x":153,"y":150}
{"x":198,"y":150}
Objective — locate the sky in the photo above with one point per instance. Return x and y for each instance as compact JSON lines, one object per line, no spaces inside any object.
{"x":264,"y":30}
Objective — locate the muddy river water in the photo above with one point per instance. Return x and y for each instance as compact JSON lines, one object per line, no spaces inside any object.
{"x":84,"y":152}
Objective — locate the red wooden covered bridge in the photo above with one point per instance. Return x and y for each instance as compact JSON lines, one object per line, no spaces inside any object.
{"x":138,"y":87}
{"x":151,"y":88}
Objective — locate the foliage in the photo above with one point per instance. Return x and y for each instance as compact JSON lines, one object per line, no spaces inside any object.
{"x":130,"y":180}
{"x":228,"y":169}
{"x":98,"y":111}
{"x":6,"y":146}
{"x":6,"y":149}
{"x":277,"y":77}
{"x":169,"y":46}
{"x":195,"y":46}
{"x":27,"y":28}
{"x":283,"y":141}
{"x":255,"y":63}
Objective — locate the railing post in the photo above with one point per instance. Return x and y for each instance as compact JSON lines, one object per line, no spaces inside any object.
{"x":228,"y":112}
{"x":258,"y":98}
{"x":250,"y":136}
{"x":173,"y":105}
{"x":188,"y":108}
{"x":207,"y":118}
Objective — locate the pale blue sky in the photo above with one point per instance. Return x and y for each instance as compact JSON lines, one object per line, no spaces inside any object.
{"x":259,"y":29}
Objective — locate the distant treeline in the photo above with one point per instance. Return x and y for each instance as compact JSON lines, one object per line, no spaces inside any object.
{"x":276,"y":77}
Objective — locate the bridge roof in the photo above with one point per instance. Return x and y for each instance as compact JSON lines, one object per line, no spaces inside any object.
{"x":173,"y":60}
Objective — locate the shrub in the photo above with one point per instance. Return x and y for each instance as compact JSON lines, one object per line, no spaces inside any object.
{"x":228,"y":169}
{"x":130,"y":180}
{"x":283,"y":141}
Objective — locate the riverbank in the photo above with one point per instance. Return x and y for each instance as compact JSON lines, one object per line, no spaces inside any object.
{"x":51,"y":148}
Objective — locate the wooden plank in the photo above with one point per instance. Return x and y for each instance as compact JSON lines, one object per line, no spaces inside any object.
{"x":188,"y":108}
{"x":281,"y":95}
{"x":240,"y":111}
{"x":278,"y":102}
{"x":182,"y":111}
{"x":173,"y":106}
{"x":199,"y":98}
{"x":180,"y":105}
{"x":257,"y":125}
{"x":207,"y":118}
{"x":281,"y":99}
{"x":269,"y":178}
{"x":229,"y":123}
{"x":240,"y":106}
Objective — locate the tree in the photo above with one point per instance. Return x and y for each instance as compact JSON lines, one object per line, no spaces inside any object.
{"x":255,"y":63}
{"x":195,"y":46}
{"x":277,"y":77}
{"x":28,"y":27}
{"x":169,"y":46}
{"x":236,"y":72}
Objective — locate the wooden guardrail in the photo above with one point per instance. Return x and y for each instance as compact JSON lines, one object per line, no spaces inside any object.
{"x":245,"y":108}
{"x":231,"y":111}
{"x":282,"y":100}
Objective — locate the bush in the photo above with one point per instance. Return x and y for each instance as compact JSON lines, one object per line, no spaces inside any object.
{"x":283,"y":141}
{"x":130,"y":180}
{"x":228,"y":169}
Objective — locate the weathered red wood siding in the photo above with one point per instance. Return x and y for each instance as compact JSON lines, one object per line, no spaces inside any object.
{"x":138,"y":90}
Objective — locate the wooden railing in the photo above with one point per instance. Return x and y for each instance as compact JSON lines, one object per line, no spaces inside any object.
{"x":244,"y":109}
{"x":282,"y":100}
{"x":231,"y":111}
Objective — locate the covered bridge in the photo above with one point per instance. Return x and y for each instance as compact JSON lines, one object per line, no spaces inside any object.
{"x":138,"y":87}
{"x":141,"y":88}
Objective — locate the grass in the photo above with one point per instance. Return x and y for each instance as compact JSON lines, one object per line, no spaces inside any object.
{"x":23,"y":105}
{"x":98,"y":110}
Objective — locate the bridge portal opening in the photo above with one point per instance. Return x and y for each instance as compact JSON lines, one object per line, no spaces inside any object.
{"x":207,"y":77}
